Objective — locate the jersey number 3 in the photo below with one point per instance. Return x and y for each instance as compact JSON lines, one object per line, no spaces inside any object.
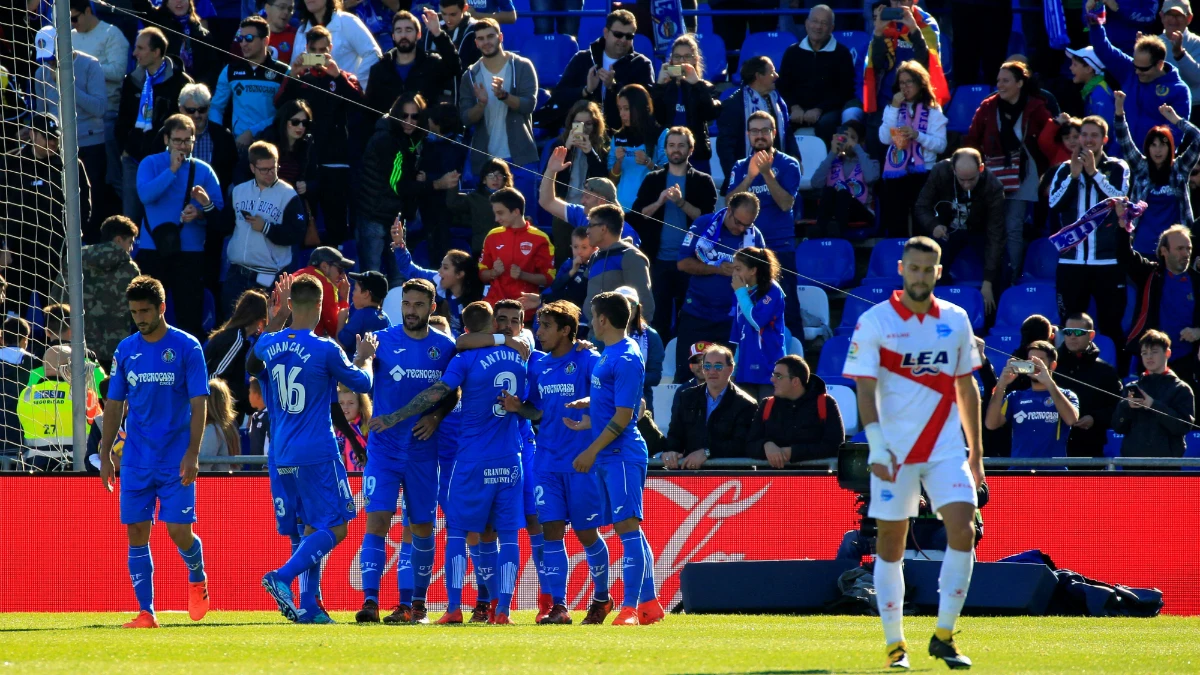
{"x":291,"y":392}
{"x":507,"y":382}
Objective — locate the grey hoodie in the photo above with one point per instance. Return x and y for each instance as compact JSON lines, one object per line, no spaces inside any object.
{"x":91,"y":97}
{"x":522,"y":83}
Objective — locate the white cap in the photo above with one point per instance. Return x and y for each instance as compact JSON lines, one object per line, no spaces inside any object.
{"x":45,"y":43}
{"x":1088,"y":56}
{"x":630,"y":294}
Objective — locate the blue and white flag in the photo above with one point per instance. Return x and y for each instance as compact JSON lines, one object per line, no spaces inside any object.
{"x":667,"y":17}
{"x":1072,"y":235}
{"x":1056,"y":24}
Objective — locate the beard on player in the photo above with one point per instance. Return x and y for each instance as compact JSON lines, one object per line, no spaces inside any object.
{"x":918,"y":292}
{"x":416,"y":321}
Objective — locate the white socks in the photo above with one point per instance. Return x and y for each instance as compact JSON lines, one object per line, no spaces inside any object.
{"x":952,"y":585}
{"x":889,"y":593}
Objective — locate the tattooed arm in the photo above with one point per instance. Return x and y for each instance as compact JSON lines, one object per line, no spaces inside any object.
{"x":419,"y":404}
{"x":615,"y":427}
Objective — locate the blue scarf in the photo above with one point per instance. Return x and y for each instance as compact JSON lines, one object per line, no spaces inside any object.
{"x":145,"y":118}
{"x":706,"y":247}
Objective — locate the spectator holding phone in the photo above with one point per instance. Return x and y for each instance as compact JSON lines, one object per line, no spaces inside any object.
{"x":586,"y":139}
{"x":1158,"y":176}
{"x":1158,"y":410}
{"x":1041,"y":416}
{"x":354,"y":48}
{"x":845,"y":178}
{"x":637,"y":145}
{"x":682,"y":97}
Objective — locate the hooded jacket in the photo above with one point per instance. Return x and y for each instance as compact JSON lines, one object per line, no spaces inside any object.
{"x":633,"y":68}
{"x":938,"y":204}
{"x":798,"y":424}
{"x":522,"y":83}
{"x":1141,"y":100}
{"x":1157,"y":432}
{"x":1148,"y":277}
{"x":432,"y":71}
{"x":1098,"y":395}
{"x":138,"y":143}
{"x":621,"y":264}
{"x":723,"y":433}
{"x":389,"y":168}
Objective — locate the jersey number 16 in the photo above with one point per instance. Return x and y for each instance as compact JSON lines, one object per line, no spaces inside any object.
{"x":291,"y":392}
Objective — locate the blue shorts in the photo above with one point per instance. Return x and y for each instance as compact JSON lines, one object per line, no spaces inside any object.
{"x":320,"y":492}
{"x":623,"y":483}
{"x":143,"y":488}
{"x":287,"y":521}
{"x":570,"y":496}
{"x":445,"y":467}
{"x":527,"y":455}
{"x":485,"y":493}
{"x":383,"y":479}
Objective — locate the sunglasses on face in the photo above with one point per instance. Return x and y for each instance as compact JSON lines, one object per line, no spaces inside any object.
{"x":409,"y":116}
{"x":1144,"y":69}
{"x":245,"y":37}
{"x":1075,"y":332}
{"x":74,"y":18}
{"x":621,"y":36}
{"x":297,"y":122}
{"x":202,"y":110}
{"x":714,"y":366}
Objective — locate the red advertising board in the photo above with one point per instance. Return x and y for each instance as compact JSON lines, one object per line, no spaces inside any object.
{"x":63,"y":549}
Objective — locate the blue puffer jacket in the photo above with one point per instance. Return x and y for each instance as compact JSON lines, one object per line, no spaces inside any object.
{"x":1141,"y":100}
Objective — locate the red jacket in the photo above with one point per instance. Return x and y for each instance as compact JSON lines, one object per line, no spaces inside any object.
{"x":984,"y":134}
{"x":528,"y":248}
{"x":331,"y":304}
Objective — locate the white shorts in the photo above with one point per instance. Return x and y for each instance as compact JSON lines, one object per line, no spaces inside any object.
{"x":946,"y":481}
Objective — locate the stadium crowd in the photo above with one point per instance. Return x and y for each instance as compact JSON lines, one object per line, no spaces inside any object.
{"x":224,"y":145}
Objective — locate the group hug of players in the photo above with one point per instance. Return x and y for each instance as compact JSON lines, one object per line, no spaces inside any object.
{"x":453,"y":427}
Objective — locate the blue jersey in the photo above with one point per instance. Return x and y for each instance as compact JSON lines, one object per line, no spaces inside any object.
{"x":711,"y":296}
{"x":304,"y":371}
{"x":553,"y":383}
{"x":407,"y":367}
{"x":158,"y":381}
{"x":486,"y":430}
{"x":1037,"y":431}
{"x":617,"y":383}
{"x":577,"y":217}
{"x":777,"y":225}
{"x":758,"y":335}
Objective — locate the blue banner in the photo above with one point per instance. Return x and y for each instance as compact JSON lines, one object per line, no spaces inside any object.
{"x":667,"y":17}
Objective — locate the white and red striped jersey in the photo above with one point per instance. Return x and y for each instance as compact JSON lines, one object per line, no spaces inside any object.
{"x":916,"y":358}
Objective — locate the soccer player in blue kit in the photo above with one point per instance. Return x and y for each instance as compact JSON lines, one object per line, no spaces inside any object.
{"x":565,"y":494}
{"x":304,"y":372}
{"x":618,"y":451}
{"x":486,"y":482}
{"x":409,"y":358}
{"x":159,"y":373}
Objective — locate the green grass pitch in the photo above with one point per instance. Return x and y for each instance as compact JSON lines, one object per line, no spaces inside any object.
{"x":261,"y":642}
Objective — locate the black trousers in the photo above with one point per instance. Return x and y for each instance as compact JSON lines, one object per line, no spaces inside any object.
{"x":1078,"y":284}
{"x":670,"y":290}
{"x":837,"y":209}
{"x":334,"y":200}
{"x":896,"y":201}
{"x":182,"y":276}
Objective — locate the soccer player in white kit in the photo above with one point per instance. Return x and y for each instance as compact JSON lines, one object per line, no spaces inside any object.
{"x":913,"y":357}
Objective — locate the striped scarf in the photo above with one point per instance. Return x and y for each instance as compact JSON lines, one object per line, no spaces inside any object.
{"x":1074,"y":234}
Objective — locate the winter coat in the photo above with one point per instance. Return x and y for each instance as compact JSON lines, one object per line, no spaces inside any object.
{"x":702,"y":107}
{"x":985,"y":219}
{"x":799,"y":424}
{"x":1098,"y":395}
{"x":138,"y":143}
{"x":389,"y":173}
{"x":984,"y":133}
{"x":207,"y":60}
{"x":1141,"y":100}
{"x":633,"y":68}
{"x":334,"y":102}
{"x":1148,"y":277}
{"x":431,"y":73}
{"x":821,"y":79}
{"x":621,"y":264}
{"x":723,"y":433}
{"x":1157,"y":432}
{"x":107,"y":271}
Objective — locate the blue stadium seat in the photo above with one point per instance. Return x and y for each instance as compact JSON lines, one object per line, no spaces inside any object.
{"x":967,"y":268}
{"x":858,"y":42}
{"x":643,"y":45}
{"x":208,"y":316}
{"x":829,"y":261}
{"x":1192,"y":448}
{"x":1020,"y":302}
{"x":1112,"y":447}
{"x":716,"y":58}
{"x":860,"y":437}
{"x":591,"y":28}
{"x":550,"y":53}
{"x":1001,"y":346}
{"x":1130,"y":301}
{"x":967,"y":297}
{"x":1108,"y":351}
{"x":858,"y":301}
{"x":1041,"y":262}
{"x":833,"y":359}
{"x":770,"y":45}
{"x":964,"y":103}
{"x":882,"y":270}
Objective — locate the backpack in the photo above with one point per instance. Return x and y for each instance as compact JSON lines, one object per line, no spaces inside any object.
{"x":822,"y":406}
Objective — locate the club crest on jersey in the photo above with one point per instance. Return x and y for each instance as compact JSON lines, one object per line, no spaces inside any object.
{"x":944,"y":330}
{"x":926,"y":363}
{"x":526,"y":247}
{"x":571,"y":368}
{"x":434,"y":353}
{"x":168,"y":355}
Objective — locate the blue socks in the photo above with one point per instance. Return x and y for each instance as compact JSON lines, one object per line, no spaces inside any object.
{"x":371,"y":560}
{"x":456,"y":567}
{"x":308,"y":554}
{"x":555,"y":566}
{"x":484,"y":576}
{"x":633,"y":566}
{"x":489,"y":551}
{"x":509,"y":561}
{"x":537,"y":542}
{"x":310,"y":587}
{"x":194,"y":559}
{"x":422,"y":565}
{"x":648,"y":591}
{"x":141,"y":575}
{"x":597,"y":557}
{"x":404,"y":573}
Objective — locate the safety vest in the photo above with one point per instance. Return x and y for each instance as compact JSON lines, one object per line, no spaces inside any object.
{"x":45,"y":411}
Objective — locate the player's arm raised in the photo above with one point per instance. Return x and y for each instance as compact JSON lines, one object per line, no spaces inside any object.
{"x":468,"y":341}
{"x":419,"y":404}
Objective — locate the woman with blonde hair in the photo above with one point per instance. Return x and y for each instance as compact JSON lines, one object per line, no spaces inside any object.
{"x":357,"y":409}
{"x":221,"y":437}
